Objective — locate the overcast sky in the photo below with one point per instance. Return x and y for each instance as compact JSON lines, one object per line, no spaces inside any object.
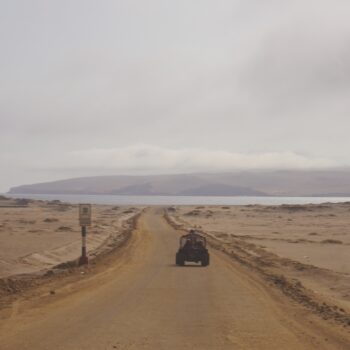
{"x":133,"y":87}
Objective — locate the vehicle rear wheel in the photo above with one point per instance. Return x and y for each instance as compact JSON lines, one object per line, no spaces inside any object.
{"x":205,"y":260}
{"x":180,"y":259}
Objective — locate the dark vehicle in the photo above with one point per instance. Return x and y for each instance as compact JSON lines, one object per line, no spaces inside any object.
{"x":192,"y":248}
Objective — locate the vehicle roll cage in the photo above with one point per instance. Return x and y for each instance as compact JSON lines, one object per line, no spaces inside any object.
{"x":193,"y":239}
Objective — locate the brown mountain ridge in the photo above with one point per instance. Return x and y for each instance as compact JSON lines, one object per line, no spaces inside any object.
{"x":244,"y":183}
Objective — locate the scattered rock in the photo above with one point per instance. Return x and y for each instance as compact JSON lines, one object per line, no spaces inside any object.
{"x":27,"y":222}
{"x":64,"y":229}
{"x":63,"y":207}
{"x":50,"y":220}
{"x":22,"y":201}
{"x":54,"y":202}
{"x":331,"y":241}
{"x":295,"y":208}
{"x":128,"y":211}
{"x":193,"y":213}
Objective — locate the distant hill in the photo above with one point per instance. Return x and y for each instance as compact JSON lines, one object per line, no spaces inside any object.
{"x":247,"y":183}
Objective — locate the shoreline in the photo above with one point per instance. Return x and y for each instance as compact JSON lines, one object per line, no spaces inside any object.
{"x":180,"y":200}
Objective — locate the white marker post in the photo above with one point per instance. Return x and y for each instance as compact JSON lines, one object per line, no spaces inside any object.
{"x":85,"y":220}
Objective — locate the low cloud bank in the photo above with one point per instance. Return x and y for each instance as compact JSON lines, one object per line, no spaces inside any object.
{"x":154,"y":159}
{"x":143,"y":159}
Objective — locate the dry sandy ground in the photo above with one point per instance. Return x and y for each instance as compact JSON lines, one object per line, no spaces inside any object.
{"x":137,"y":298}
{"x":39,"y":235}
{"x":307,"y":244}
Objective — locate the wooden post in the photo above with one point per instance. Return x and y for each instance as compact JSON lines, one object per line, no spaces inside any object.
{"x":83,"y":259}
{"x":85,"y":220}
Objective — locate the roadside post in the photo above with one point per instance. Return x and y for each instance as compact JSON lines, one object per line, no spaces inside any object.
{"x":84,"y":220}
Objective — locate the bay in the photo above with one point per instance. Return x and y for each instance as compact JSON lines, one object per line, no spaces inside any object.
{"x":179,"y":200}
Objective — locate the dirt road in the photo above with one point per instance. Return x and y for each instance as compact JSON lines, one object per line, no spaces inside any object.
{"x":143,"y":301}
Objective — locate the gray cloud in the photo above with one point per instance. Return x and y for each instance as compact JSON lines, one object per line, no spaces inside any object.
{"x":147,"y":158}
{"x":255,"y":84}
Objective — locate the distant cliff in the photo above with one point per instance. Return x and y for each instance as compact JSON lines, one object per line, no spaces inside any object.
{"x":249,"y":183}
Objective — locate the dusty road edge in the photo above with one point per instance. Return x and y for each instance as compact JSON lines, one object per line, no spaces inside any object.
{"x":291,"y":288}
{"x":13,"y":287}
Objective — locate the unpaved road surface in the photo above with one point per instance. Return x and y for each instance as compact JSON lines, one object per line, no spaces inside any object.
{"x":143,"y":301}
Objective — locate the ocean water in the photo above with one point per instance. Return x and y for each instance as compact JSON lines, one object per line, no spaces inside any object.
{"x":179,"y":200}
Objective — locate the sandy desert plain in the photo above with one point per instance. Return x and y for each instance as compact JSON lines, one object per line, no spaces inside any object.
{"x":38,"y":235}
{"x":301,"y":252}
{"x":305,"y":249}
{"x":305,"y":243}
